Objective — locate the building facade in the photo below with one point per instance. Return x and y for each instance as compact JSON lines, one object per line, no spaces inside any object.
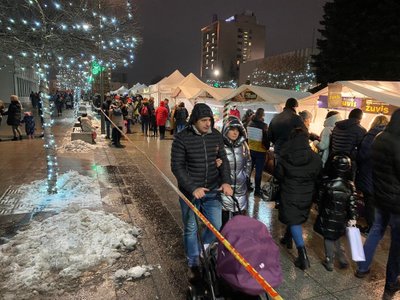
{"x":228,"y":43}
{"x":16,"y":80}
{"x":289,"y":70}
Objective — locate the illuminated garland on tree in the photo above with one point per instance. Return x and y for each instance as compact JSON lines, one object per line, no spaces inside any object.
{"x":44,"y":34}
{"x":299,"y":80}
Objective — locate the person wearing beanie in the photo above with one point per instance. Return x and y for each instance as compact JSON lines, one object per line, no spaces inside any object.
{"x":194,"y":155}
{"x":347,"y":136}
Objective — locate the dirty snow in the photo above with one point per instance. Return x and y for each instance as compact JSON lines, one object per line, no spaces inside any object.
{"x":73,"y":189}
{"x":76,"y":146}
{"x":133,"y":273}
{"x":64,"y":246}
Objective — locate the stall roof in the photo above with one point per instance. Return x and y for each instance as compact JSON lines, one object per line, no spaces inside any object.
{"x":192,"y":87}
{"x":270,"y":95}
{"x":386,"y":91}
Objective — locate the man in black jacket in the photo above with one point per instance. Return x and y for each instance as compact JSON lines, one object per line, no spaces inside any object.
{"x":347,"y":136}
{"x":282,"y":125}
{"x":193,"y":161}
{"x":386,"y":175}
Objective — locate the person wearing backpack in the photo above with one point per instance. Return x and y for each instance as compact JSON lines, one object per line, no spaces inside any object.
{"x":181,"y":114}
{"x":145,"y":116}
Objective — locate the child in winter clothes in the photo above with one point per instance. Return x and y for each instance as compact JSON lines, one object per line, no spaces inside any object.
{"x":337,"y":209}
{"x":29,"y":121}
{"x":238,"y":154}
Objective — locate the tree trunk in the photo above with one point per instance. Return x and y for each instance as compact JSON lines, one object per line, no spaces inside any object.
{"x":49,"y":141}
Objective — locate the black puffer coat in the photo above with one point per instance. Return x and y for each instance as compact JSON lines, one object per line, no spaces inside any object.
{"x":364,"y":180}
{"x":346,"y":137}
{"x":193,"y":159}
{"x":14,"y":113}
{"x":281,"y":126}
{"x":336,"y":207}
{"x":297,"y":172}
{"x":386,"y":166}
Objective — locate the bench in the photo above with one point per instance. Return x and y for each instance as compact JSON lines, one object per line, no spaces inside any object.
{"x":78,"y":134}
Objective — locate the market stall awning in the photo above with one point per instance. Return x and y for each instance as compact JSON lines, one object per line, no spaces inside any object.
{"x":253,"y":93}
{"x":385,"y":91}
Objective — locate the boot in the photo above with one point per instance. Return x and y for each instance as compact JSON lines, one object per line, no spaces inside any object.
{"x":343,"y":261}
{"x":302,"y":261}
{"x":328,"y":263}
{"x":287,"y":239}
{"x":194,"y":275}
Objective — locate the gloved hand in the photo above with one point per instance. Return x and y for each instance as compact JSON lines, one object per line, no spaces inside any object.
{"x":352,"y":223}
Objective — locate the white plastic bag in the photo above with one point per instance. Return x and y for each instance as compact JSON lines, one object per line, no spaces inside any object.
{"x":356,"y":245}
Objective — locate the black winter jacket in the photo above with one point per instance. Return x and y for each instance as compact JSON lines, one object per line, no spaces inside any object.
{"x":346,"y":137}
{"x":193,"y":160}
{"x":337,"y":205}
{"x":297,"y":171}
{"x":281,"y":126}
{"x":364,"y":180}
{"x":386,"y":167}
{"x":14,"y":113}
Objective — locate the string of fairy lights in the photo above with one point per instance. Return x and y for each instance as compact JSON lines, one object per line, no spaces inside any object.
{"x":67,"y":36}
{"x":292,"y":80}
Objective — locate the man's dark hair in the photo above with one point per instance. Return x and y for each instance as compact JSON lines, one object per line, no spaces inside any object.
{"x":356,"y":114}
{"x":291,"y":103}
{"x":259,"y":113}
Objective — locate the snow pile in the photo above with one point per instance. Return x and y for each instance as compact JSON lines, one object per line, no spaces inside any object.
{"x":73,"y":189}
{"x":76,"y":146}
{"x":133,"y":273}
{"x":63,"y":247}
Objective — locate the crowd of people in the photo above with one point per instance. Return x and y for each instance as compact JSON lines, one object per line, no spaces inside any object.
{"x":330,"y":170}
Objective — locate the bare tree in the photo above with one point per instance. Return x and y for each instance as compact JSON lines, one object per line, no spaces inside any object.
{"x":46,"y":34}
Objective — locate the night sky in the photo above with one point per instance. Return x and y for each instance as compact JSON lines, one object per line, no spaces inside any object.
{"x":172,"y":39}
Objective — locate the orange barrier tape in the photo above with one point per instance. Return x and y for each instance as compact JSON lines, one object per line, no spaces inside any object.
{"x":253,"y":272}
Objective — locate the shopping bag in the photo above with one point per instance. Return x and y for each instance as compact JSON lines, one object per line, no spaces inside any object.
{"x":356,"y":246}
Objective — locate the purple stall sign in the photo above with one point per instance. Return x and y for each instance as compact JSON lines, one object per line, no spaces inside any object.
{"x":323,"y":101}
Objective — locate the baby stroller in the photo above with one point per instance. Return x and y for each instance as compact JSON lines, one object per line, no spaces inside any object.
{"x":222,"y":275}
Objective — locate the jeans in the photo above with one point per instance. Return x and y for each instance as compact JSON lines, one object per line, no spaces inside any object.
{"x":128,"y":125}
{"x":162,"y":132}
{"x":258,"y":160}
{"x":382,"y":220}
{"x":108,"y":128}
{"x":297,"y":235}
{"x":116,"y":136}
{"x":211,"y":208}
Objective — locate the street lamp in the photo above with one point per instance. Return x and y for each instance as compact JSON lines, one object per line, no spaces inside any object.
{"x":216,"y":73}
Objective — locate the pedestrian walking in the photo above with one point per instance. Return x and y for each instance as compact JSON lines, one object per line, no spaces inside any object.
{"x":29,"y":122}
{"x":337,"y":210}
{"x":14,"y":115}
{"x":161,"y":118}
{"x":193,"y":162}
{"x":239,"y":158}
{"x":297,"y":172}
{"x":385,"y":158}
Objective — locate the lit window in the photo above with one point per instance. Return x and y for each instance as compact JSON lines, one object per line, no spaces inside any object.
{"x":249,"y":43}
{"x":212,"y":66}
{"x":213,"y":40}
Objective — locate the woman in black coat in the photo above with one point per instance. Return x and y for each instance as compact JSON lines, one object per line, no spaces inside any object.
{"x":364,"y":182}
{"x":14,"y":113}
{"x":297,"y":172}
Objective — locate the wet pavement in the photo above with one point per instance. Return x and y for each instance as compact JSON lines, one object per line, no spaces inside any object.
{"x":133,"y":189}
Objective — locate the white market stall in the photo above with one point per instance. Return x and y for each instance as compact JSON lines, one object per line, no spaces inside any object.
{"x":192,"y":90}
{"x":138,"y":88}
{"x":165,"y":87}
{"x":253,"y":97}
{"x":373,"y":97}
{"x":121,"y":91}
